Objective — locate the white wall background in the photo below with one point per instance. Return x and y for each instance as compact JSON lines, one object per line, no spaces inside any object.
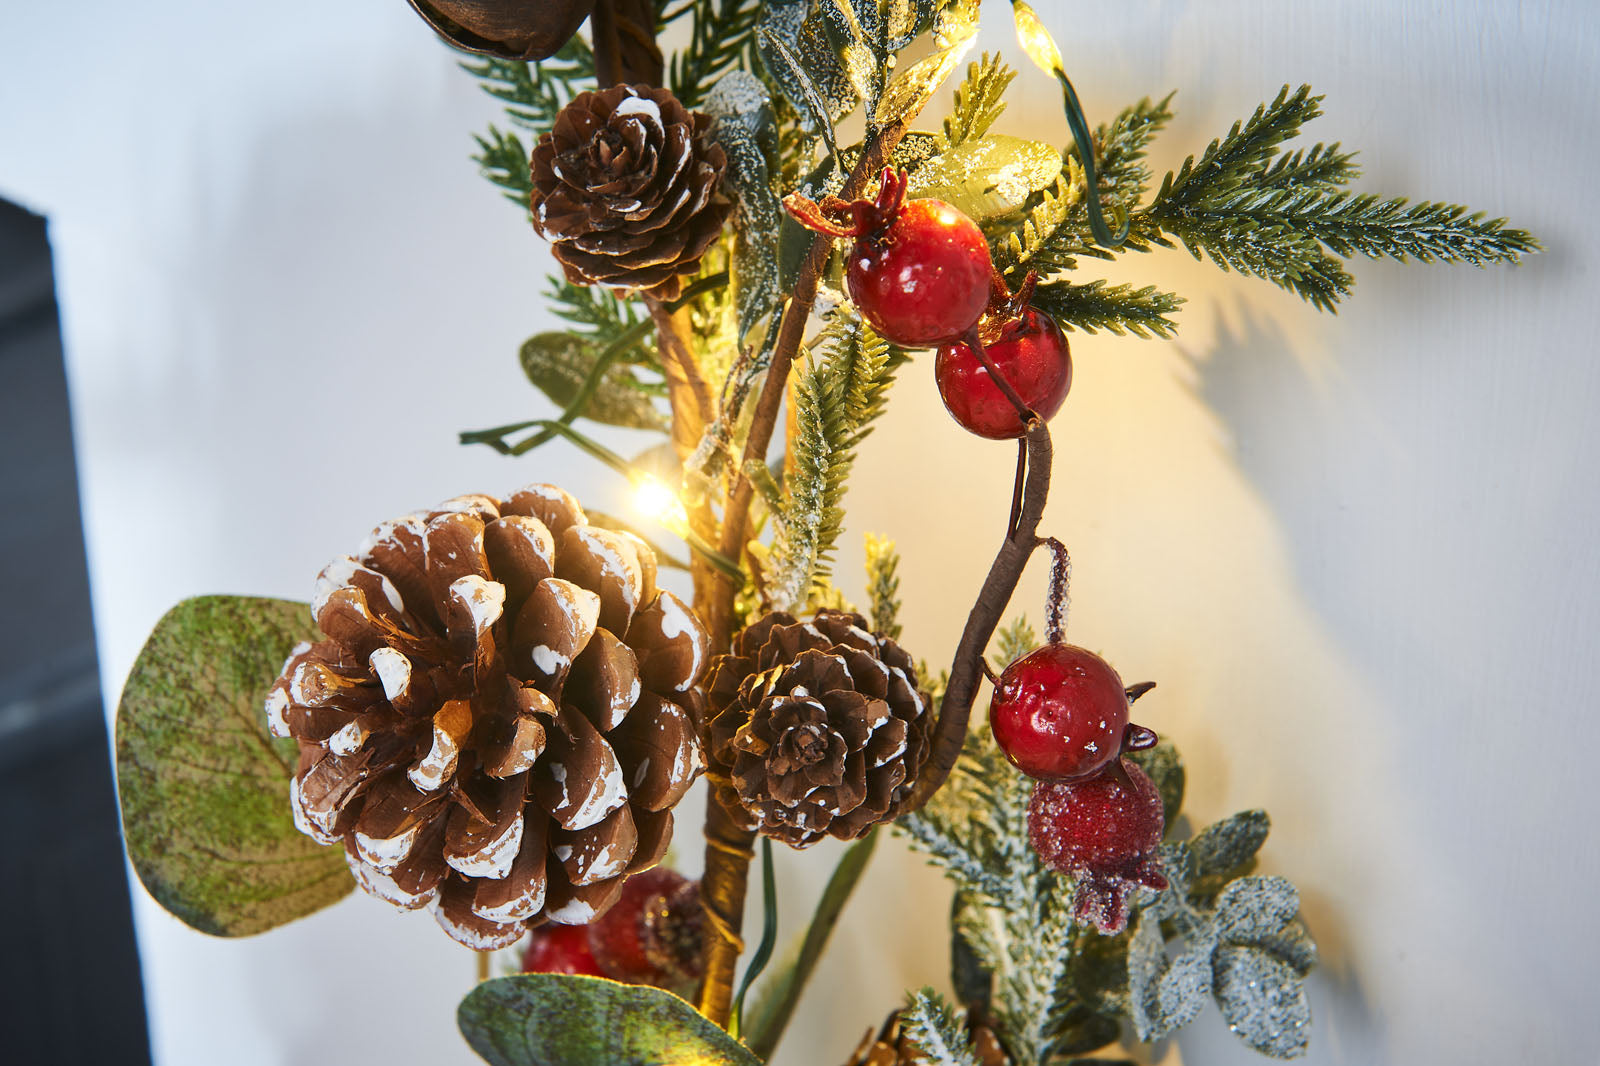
{"x":1356,"y":551}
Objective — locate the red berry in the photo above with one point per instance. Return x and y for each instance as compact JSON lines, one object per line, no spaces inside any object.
{"x":651,"y":935}
{"x":919,"y":271}
{"x":923,"y":279}
{"x":1059,"y":713}
{"x":1031,"y":352}
{"x":1104,"y":832}
{"x":560,"y":949}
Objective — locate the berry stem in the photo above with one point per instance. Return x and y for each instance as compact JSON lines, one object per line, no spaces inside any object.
{"x":1059,"y":598}
{"x":954,"y":711}
{"x":975,"y":342}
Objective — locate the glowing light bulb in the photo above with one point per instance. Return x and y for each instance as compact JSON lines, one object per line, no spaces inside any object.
{"x":1035,"y":39}
{"x":655,"y":500}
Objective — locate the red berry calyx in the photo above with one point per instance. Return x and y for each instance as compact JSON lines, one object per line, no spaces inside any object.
{"x":919,"y":271}
{"x":1104,"y":832}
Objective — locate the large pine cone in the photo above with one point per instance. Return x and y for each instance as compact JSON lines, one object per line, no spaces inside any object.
{"x":624,"y":187}
{"x":496,"y":723}
{"x":891,"y":1047}
{"x":817,"y":727}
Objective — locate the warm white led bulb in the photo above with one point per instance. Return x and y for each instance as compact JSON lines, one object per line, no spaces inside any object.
{"x":1035,"y":39}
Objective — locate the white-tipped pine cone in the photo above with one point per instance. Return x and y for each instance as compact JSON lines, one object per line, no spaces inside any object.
{"x":502,"y":715}
{"x":816,"y":728}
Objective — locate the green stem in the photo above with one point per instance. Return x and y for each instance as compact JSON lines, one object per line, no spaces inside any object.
{"x":769,"y":934}
{"x":623,"y":342}
{"x":772,"y":1010}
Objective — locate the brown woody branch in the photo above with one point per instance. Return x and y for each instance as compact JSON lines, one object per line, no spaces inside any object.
{"x":729,"y":848}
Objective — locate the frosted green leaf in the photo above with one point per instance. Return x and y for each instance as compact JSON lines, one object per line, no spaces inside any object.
{"x":1263,"y":1001}
{"x":1165,"y":768}
{"x":1147,"y":961}
{"x":988,"y":178}
{"x":1252,"y":906}
{"x":562,"y":1020}
{"x":1182,"y":992}
{"x":204,"y":787}
{"x":559,"y":363}
{"x":743,"y":124}
{"x":930,"y":1023}
{"x":1291,"y":944}
{"x":1230,"y":843}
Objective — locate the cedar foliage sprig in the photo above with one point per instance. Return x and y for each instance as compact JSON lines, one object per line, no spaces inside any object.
{"x":930,"y":1022}
{"x":979,"y":101}
{"x":883,"y":585}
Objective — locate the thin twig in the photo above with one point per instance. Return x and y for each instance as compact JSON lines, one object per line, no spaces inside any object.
{"x":1060,"y":595}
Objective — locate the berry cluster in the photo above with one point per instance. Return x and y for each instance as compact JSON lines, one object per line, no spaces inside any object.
{"x":920,"y":274}
{"x":1060,"y":715}
{"x":650,"y":936}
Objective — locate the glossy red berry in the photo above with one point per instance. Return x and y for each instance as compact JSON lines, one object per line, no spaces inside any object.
{"x":1059,"y":713}
{"x":651,"y":935}
{"x":919,"y":271}
{"x":1031,"y":352}
{"x":560,"y":949}
{"x":925,"y":278}
{"x":1104,"y":832}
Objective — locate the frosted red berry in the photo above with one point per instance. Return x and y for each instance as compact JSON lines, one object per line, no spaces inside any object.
{"x":1103,"y":831}
{"x":1060,"y":712}
{"x":919,"y":271}
{"x":651,"y":935}
{"x":1031,"y":352}
{"x":560,"y":949}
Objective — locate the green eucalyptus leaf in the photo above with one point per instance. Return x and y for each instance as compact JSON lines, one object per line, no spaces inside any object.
{"x":1180,"y":994}
{"x":988,"y":178}
{"x":540,"y":1019}
{"x":1262,"y":1000}
{"x":1228,"y":845}
{"x":558,"y":364}
{"x":1163,"y":765}
{"x":204,"y":787}
{"x":1253,"y":906}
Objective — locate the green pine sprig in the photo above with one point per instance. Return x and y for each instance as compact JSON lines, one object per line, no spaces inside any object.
{"x":883,"y":585}
{"x":979,"y":100}
{"x":533,"y":94}
{"x":723,"y":38}
{"x":840,"y":390}
{"x":930,"y":1022}
{"x":1099,"y":305}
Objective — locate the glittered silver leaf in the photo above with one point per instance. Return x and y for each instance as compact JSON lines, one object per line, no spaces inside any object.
{"x":801,"y":59}
{"x":742,"y":114}
{"x":1262,"y":1000}
{"x":988,"y":178}
{"x":1292,"y":944}
{"x":1147,"y":961}
{"x":1254,"y":906}
{"x":1181,"y":993}
{"x":1230,"y":843}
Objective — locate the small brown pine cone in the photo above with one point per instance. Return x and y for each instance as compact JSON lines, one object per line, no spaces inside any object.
{"x":624,"y":188}
{"x":891,"y":1047}
{"x":495,"y":725}
{"x":816,"y":728}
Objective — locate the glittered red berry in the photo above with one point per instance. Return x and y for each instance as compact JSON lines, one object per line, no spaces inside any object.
{"x":1030,"y":352}
{"x":556,"y":948}
{"x":1060,"y":712}
{"x":1102,"y":831}
{"x":919,"y":271}
{"x":651,"y":935}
